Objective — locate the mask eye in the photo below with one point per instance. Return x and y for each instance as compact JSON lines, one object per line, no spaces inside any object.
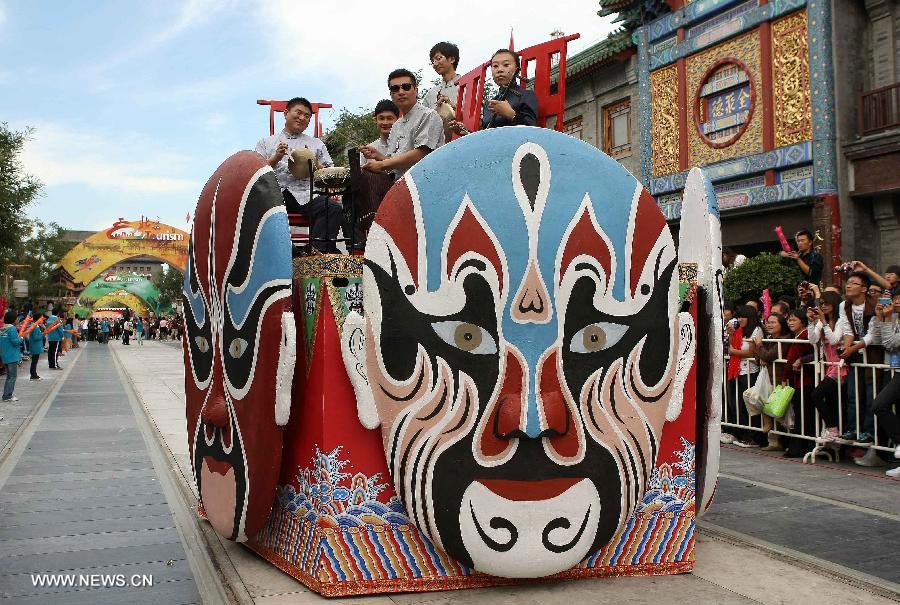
{"x":596,"y":337}
{"x":466,"y":337}
{"x":202,"y":343}
{"x":237,"y":347}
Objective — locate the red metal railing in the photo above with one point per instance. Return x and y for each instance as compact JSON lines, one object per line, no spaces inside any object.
{"x":879,"y":109}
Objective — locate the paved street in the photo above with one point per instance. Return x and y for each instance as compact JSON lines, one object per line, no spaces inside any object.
{"x":84,"y":497}
{"x":96,"y":480}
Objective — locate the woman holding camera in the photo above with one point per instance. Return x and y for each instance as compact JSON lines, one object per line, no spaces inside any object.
{"x":825,"y":397}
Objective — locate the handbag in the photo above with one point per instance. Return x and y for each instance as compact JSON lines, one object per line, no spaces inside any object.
{"x":778,"y":402}
{"x":756,"y":396}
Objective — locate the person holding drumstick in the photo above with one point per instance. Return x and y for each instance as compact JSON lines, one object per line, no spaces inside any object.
{"x":325,"y":215}
{"x":419,"y":132}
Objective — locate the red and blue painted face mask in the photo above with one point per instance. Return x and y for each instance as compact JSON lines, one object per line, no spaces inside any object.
{"x":522,"y":347}
{"x":237,"y":308}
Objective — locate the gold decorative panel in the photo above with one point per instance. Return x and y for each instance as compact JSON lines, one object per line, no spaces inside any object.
{"x":790,"y":80}
{"x":746,"y":50}
{"x":665,"y":112}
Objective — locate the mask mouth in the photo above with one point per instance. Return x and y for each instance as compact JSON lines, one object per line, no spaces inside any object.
{"x":520,"y":529}
{"x":218,"y":492}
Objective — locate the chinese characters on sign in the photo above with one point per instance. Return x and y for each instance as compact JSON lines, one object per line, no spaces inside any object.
{"x":725,"y":101}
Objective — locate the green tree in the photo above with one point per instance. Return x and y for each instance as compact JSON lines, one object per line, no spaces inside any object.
{"x":41,"y":250}
{"x":170,"y":285}
{"x":350,"y":131}
{"x":17,"y":191}
{"x":748,"y":280}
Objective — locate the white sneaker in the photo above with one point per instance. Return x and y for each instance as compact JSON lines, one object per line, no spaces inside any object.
{"x":726,"y":438}
{"x":12,"y":399}
{"x":894,"y":472}
{"x":870,"y":459}
{"x":897,"y":452}
{"x":744,"y":444}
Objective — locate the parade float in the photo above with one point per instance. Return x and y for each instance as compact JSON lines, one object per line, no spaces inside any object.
{"x":518,"y":380}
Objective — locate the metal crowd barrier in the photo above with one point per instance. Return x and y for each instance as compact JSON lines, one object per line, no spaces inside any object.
{"x":735,"y":415}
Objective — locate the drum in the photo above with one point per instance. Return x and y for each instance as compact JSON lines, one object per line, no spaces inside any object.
{"x":298,"y":162}
{"x":331,"y":178}
{"x":446,"y":112}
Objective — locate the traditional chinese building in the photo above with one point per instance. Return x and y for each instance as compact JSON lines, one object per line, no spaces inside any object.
{"x":744,"y":89}
{"x":867,"y":91}
{"x":601,"y":98}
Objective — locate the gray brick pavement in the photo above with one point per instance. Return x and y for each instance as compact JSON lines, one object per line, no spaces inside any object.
{"x":84,"y":498}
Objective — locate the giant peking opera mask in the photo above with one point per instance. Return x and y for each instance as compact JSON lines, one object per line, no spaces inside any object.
{"x":238,"y":343}
{"x":521,"y":347}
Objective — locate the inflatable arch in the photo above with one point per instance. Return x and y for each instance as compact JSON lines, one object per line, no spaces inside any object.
{"x":133,"y":283}
{"x":123,"y":240}
{"x":124,"y":298}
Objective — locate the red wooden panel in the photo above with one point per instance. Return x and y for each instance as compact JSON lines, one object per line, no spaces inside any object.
{"x":538,"y":57}
{"x":471,"y":96}
{"x":280,"y":106}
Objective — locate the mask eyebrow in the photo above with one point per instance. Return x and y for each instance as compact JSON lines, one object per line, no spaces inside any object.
{"x":589,"y":267}
{"x":472,"y":262}
{"x":265,"y":270}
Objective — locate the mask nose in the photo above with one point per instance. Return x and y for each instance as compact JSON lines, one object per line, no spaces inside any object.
{"x":215,"y":411}
{"x":523,"y":413}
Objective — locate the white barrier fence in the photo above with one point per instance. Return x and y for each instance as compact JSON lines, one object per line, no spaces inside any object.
{"x":856,"y":392}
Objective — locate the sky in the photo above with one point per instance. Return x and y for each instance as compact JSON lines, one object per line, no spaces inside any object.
{"x":133,"y":105}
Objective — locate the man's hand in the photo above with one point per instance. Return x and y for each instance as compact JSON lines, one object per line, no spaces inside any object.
{"x":371,"y":153}
{"x":852,"y":349}
{"x":279,"y":153}
{"x":502,"y":108}
{"x":797,"y":364}
{"x":793,"y":255}
{"x":375,"y":165}
{"x":457,"y":128}
{"x":858,"y":265}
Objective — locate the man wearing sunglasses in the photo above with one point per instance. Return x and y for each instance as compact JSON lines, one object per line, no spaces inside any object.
{"x":419,"y":132}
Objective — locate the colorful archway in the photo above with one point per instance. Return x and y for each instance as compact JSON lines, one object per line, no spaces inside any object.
{"x":136,"y":284}
{"x":126,"y":298}
{"x":125,"y":239}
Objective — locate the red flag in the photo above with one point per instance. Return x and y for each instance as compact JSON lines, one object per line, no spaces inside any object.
{"x":187,"y":217}
{"x":512,"y":45}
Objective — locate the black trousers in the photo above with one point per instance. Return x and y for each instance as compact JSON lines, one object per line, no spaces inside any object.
{"x":125,"y":336}
{"x":884,"y":409}
{"x":52,"y":353}
{"x":34,"y":360}
{"x":825,"y":399}
{"x":326,"y":217}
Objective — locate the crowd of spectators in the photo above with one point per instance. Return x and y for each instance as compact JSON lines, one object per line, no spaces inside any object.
{"x":838,"y":347}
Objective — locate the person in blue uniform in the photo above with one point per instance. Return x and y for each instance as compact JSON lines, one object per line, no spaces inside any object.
{"x":11,"y":352}
{"x":36,"y":346}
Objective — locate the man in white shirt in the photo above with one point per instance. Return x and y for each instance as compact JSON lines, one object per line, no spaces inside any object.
{"x":325,"y":215}
{"x":856,"y":326}
{"x":444,"y":58}
{"x":386,"y":113}
{"x":419,"y":132}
